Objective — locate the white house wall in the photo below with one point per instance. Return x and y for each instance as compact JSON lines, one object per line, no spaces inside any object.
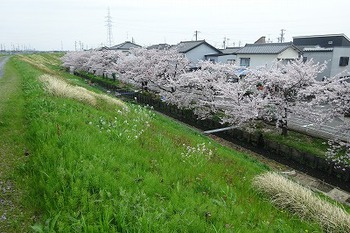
{"x":332,"y":58}
{"x":321,"y":57}
{"x":227,"y":58}
{"x":199,"y":52}
{"x":257,"y":60}
{"x":288,"y":54}
{"x":337,"y":53}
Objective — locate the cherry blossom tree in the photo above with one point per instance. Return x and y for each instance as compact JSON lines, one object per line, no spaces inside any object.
{"x":97,"y":62}
{"x":215,"y":89}
{"x":271,"y":91}
{"x":105,"y":62}
{"x":152,"y":69}
{"x":333,"y":95}
{"x":77,"y":61}
{"x":282,"y":83}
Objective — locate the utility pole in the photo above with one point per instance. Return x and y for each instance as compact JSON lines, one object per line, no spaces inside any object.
{"x":109,"y":24}
{"x":196,"y":34}
{"x":281,"y":39}
{"x":225,"y":42}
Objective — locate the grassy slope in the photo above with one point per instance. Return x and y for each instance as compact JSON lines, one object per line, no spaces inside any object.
{"x":12,"y":148}
{"x":105,"y":169}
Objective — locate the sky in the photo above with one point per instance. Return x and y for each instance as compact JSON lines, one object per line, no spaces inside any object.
{"x":75,"y":24}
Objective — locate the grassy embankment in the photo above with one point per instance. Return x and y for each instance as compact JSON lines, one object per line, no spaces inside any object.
{"x":101,"y":167}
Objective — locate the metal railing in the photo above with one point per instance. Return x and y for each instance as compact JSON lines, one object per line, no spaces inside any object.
{"x":323,"y":131}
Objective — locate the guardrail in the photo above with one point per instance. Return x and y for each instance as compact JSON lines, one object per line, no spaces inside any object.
{"x":323,"y":131}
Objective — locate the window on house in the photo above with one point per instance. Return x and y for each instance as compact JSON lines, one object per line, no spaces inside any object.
{"x":344,"y":61}
{"x":245,"y":62}
{"x":231,"y":61}
{"x":286,"y":60}
{"x":330,"y":42}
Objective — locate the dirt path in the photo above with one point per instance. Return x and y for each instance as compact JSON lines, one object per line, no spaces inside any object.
{"x":3,"y":61}
{"x":13,"y":217}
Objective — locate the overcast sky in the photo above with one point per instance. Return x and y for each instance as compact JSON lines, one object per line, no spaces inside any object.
{"x":58,"y":24}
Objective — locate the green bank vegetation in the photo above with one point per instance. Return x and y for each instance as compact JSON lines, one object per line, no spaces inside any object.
{"x":106,"y":167}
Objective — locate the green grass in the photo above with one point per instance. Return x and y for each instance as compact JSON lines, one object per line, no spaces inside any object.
{"x":301,"y":142}
{"x":14,"y":218}
{"x":107,"y":169}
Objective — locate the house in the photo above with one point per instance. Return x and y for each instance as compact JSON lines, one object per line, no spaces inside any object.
{"x":337,"y":59}
{"x":228,"y":55}
{"x":262,"y":54}
{"x":159,"y":46}
{"x":124,"y":47}
{"x":323,"y":41}
{"x":103,"y":48}
{"x":198,"y":50}
{"x":332,"y":48}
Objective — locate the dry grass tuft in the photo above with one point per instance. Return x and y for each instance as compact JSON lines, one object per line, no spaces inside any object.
{"x":59,"y":87}
{"x":303,"y":202}
{"x":110,"y":100}
{"x":38,"y":64}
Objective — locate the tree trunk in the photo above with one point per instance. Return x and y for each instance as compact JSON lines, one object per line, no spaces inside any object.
{"x":283,"y":124}
{"x":284,"y":129}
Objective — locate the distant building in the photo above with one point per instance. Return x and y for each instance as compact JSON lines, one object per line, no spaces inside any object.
{"x":228,"y":55}
{"x":261,"y":40}
{"x":263,"y":54}
{"x":323,"y":41}
{"x":159,"y":46}
{"x":103,"y":48}
{"x":332,"y":48}
{"x":125,"y":47}
{"x":198,"y":50}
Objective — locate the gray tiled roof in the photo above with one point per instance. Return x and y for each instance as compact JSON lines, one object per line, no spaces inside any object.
{"x":326,"y":35}
{"x":230,"y":50}
{"x":125,"y":46}
{"x":268,"y":48}
{"x":185,"y":46}
{"x":159,"y":46}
